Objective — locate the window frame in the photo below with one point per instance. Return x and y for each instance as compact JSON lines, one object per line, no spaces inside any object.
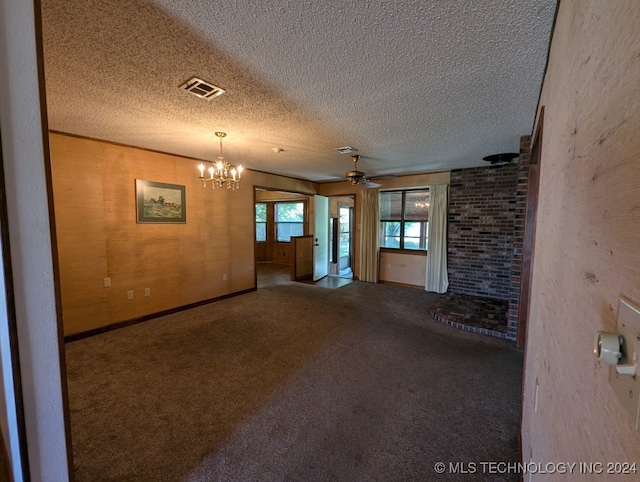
{"x":424,"y":227}
{"x":265,"y":222}
{"x":276,"y":222}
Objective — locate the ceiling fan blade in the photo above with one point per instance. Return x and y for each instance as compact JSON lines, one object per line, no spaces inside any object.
{"x":369,"y":184}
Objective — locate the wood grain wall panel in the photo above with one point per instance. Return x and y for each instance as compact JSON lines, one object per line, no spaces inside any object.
{"x":204,"y":241}
{"x":262,"y":253}
{"x":281,"y":253}
{"x":179,"y":263}
{"x":277,"y":196}
{"x":98,"y":237}
{"x":241,"y":219}
{"x":586,"y":252}
{"x":139,"y":256}
{"x":302,"y":257}
{"x":80,"y":225}
{"x":280,"y":183}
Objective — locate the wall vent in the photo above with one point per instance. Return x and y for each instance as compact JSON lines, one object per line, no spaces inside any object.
{"x":346,"y":150}
{"x":202,"y":88}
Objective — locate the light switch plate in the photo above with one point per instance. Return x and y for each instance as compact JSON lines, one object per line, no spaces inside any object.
{"x":627,"y":387}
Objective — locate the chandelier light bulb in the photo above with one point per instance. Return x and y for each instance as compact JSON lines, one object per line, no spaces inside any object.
{"x":221,"y":172}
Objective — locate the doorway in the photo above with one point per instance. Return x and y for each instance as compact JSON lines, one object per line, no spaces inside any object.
{"x":279,"y":216}
{"x":341,"y":230}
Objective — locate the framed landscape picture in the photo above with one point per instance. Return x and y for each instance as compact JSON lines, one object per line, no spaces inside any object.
{"x":158,"y":202}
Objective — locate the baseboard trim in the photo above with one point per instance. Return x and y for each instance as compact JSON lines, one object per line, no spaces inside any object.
{"x":133,"y":321}
{"x":405,"y":285}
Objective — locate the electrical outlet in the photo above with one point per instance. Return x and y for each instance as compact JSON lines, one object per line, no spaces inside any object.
{"x":107,"y":282}
{"x":224,"y":277}
{"x":147,"y":291}
{"x":129,"y":295}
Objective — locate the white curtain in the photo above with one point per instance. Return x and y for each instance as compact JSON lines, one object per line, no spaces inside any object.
{"x":369,"y":236}
{"x":436,"y":276}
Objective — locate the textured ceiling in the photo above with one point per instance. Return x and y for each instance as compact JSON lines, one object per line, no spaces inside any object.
{"x":415,"y":86}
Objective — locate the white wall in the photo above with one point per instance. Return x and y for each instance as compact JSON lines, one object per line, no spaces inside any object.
{"x":408,"y":269}
{"x":31,"y":253}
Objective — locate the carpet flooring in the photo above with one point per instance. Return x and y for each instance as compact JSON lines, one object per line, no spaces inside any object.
{"x":294,"y":382}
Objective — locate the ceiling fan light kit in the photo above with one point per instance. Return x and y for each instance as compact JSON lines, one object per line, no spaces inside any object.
{"x":359,"y":177}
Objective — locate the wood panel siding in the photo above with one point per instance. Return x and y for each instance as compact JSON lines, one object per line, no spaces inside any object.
{"x":81,"y":233}
{"x":586,"y":237}
{"x":181,"y":264}
{"x":302,"y":259}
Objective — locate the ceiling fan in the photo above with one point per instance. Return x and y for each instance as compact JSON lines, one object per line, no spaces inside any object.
{"x":359,"y":177}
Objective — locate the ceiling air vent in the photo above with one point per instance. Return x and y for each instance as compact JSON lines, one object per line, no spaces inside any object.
{"x":202,"y":88}
{"x":346,"y":150}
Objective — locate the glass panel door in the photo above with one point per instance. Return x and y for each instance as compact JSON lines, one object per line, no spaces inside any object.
{"x":344,"y":248}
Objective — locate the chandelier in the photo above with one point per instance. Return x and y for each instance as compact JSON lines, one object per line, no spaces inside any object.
{"x":221,"y":172}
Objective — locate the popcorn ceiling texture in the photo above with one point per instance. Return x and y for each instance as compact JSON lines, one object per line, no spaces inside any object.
{"x":416,"y":86}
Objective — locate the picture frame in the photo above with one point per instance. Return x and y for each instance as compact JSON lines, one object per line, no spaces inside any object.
{"x":161,"y":203}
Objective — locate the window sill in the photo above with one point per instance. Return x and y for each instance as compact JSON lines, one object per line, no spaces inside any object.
{"x":414,"y":252}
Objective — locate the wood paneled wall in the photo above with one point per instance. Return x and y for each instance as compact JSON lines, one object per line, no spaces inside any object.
{"x":98,"y":237}
{"x":586,"y":253}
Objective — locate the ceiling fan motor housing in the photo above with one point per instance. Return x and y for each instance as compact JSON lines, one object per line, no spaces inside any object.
{"x":356,"y":174}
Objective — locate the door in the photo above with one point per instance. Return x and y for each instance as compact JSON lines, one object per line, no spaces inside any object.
{"x":344,"y":248}
{"x":321,"y":238}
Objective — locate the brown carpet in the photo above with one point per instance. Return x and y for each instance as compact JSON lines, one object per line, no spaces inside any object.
{"x":5,"y":469}
{"x":293,"y":382}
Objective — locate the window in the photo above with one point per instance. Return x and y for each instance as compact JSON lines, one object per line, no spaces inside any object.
{"x":261,"y":222}
{"x":345,"y":232}
{"x":289,"y":220}
{"x":404,"y":219}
